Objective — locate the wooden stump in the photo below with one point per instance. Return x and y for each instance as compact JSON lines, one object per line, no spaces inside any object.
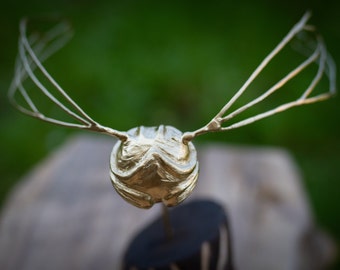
{"x":66,"y":215}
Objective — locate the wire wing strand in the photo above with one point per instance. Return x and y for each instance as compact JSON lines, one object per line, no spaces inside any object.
{"x":319,"y":56}
{"x":33,"y":50}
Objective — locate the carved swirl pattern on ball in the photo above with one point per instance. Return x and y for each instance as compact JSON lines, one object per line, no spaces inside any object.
{"x":154,"y":165}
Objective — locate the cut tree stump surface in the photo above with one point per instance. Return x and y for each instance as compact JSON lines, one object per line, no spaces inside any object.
{"x":65,"y":213}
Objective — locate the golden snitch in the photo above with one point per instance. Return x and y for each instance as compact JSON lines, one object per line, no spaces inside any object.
{"x":159,"y":164}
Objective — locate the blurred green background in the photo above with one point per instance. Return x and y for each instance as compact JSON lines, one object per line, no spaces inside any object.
{"x":147,"y":63}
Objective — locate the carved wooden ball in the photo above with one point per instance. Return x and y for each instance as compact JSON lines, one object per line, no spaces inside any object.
{"x":154,"y":165}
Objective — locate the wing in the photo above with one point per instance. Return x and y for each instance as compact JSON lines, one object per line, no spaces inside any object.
{"x":318,"y":55}
{"x":33,"y":50}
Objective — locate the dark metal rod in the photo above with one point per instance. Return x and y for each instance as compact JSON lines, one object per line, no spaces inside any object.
{"x":169,"y":233}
